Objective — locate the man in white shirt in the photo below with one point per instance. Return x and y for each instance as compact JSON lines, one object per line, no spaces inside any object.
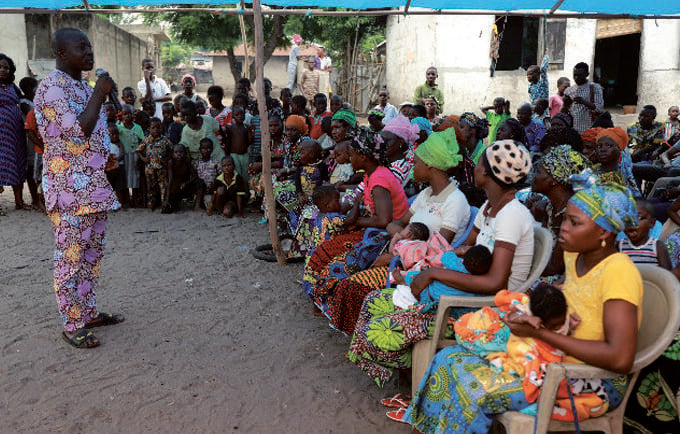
{"x":153,"y":88}
{"x":324,"y":62}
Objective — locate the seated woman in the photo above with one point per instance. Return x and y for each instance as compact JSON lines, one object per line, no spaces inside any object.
{"x":612,"y":154}
{"x":551,"y":179}
{"x":441,"y":206}
{"x":383,"y":334}
{"x":602,"y":286}
{"x":383,"y":201}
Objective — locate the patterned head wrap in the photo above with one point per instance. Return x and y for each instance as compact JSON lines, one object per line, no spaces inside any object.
{"x":591,"y":135}
{"x":297,"y":38}
{"x":617,"y":134}
{"x":376,"y":112}
{"x":562,"y":161}
{"x":481,"y":125}
{"x":509,"y":161}
{"x":297,"y":122}
{"x":368,"y":143}
{"x":185,"y":76}
{"x":611,"y":206}
{"x":450,"y":122}
{"x":423,"y":125}
{"x":403,"y":128}
{"x":440,"y":151}
{"x":566,"y":118}
{"x":347,"y":116}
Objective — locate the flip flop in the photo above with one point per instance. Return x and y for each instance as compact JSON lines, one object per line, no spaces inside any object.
{"x":397,"y":415}
{"x":105,"y":319}
{"x":82,"y":339}
{"x":397,"y":401}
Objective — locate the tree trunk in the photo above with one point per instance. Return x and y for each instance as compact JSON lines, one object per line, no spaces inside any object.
{"x":233,"y":65}
{"x":272,"y":41}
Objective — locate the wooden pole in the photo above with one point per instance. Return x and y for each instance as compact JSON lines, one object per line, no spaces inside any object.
{"x":246,"y":60}
{"x":264,"y":128}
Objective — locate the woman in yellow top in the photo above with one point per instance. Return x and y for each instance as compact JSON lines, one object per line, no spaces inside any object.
{"x":461,"y":393}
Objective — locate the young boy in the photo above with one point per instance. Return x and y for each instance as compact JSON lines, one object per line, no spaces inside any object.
{"x":239,"y":138}
{"x":110,"y":112}
{"x":309,"y":81}
{"x":131,"y":135}
{"x":541,"y":111}
{"x":286,"y":101}
{"x":336,"y":103}
{"x":556,"y":102}
{"x":326,"y":140}
{"x":128,"y":96}
{"x":496,"y":114}
{"x":35,"y":142}
{"x":375,"y":120}
{"x":171,"y":128}
{"x":182,"y":180}
{"x":428,"y":88}
{"x":154,"y":152}
{"x":115,"y":168}
{"x":320,"y":104}
{"x":298,"y":107}
{"x":207,"y":169}
{"x":638,"y":245}
{"x":388,"y":109}
{"x":312,"y":172}
{"x":231,"y":192}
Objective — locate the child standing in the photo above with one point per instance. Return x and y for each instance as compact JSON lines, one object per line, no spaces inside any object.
{"x":154,"y":151}
{"x":171,"y":128}
{"x":35,"y":142}
{"x":556,"y":102}
{"x":496,"y":114}
{"x":182,"y":180}
{"x":239,"y":138}
{"x":321,"y":112}
{"x":231,"y":192}
{"x":207,"y":169}
{"x":672,"y":126}
{"x":638,"y":245}
{"x":129,"y":96}
{"x":115,"y":168}
{"x":388,"y":109}
{"x":309,"y":81}
{"x":131,"y":135}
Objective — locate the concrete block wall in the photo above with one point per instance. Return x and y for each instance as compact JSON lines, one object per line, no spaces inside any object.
{"x":659,"y":77}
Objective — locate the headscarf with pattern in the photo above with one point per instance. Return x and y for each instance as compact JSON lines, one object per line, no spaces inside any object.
{"x":347,"y":116}
{"x":376,"y":112}
{"x":611,"y":206}
{"x":562,"y":161}
{"x":479,"y":124}
{"x":369,"y":143}
{"x":510,"y":162}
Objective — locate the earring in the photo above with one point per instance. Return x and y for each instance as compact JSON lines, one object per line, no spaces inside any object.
{"x":603,"y":244}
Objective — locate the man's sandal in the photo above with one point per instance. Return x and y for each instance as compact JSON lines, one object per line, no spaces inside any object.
{"x":400,"y":400}
{"x":105,"y":319}
{"x":397,"y":415}
{"x":83,"y":339}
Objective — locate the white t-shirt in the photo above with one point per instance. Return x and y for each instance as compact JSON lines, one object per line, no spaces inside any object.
{"x":449,"y":210}
{"x":513,"y":224}
{"x":325,"y":62}
{"x":158,"y":89}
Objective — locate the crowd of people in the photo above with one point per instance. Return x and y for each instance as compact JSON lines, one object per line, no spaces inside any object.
{"x":388,"y":217}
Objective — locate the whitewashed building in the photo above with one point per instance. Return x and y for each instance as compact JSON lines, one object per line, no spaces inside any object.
{"x":637,"y":62}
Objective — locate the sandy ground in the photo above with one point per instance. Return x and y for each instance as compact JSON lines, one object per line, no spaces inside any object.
{"x":214,"y":341}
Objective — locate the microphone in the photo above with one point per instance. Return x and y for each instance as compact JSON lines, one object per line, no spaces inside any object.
{"x":113,"y":95}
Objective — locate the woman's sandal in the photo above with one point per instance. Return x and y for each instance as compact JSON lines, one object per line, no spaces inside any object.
{"x":83,"y":339}
{"x":105,"y":319}
{"x":22,"y":207}
{"x":400,"y":400}
{"x":397,"y":415}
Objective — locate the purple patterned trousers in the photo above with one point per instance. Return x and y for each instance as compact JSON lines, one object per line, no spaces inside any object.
{"x":79,"y":248}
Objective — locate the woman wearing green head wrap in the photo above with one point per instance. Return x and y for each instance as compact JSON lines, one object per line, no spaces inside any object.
{"x":551,"y":180}
{"x":342,"y":122}
{"x":442,"y":207}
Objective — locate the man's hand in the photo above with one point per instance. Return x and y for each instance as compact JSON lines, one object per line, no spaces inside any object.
{"x":104,"y":85}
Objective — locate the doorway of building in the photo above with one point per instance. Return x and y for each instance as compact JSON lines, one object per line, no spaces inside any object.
{"x":617,"y":60}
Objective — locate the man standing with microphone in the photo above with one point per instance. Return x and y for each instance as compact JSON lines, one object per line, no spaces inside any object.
{"x":77,"y":194}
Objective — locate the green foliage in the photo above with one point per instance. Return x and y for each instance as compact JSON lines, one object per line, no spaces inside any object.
{"x":172,"y":54}
{"x":201,"y":29}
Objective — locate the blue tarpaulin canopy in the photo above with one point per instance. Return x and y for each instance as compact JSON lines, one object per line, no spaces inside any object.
{"x":614,"y":7}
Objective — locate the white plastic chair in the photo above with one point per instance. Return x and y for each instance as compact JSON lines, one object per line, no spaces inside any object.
{"x":423,"y":351}
{"x":660,"y":322}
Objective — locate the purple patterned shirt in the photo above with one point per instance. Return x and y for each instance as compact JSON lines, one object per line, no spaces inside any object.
{"x":74,"y":181}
